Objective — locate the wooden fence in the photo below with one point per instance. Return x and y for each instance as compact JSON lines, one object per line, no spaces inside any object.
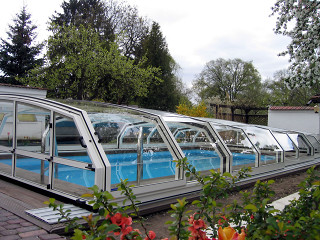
{"x":252,"y":115}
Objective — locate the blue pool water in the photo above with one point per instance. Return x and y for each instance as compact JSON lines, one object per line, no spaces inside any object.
{"x":124,"y":165}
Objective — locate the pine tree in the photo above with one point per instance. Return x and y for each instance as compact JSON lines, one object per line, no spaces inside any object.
{"x":163,"y":95}
{"x":18,"y":54}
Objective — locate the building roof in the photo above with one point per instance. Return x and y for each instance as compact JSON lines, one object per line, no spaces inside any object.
{"x":289,"y":108}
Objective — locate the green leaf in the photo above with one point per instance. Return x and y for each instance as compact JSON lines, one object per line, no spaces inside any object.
{"x":270,"y":182}
{"x":251,"y":207}
{"x":227,"y":174}
{"x":112,"y":227}
{"x":195,"y":202}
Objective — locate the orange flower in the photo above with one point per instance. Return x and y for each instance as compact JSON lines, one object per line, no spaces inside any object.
{"x":228,"y":233}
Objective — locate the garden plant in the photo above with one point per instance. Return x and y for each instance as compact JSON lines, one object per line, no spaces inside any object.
{"x":253,"y":217}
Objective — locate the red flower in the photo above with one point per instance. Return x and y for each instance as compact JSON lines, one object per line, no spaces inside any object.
{"x":127,"y":221}
{"x":252,"y":217}
{"x":137,"y":230}
{"x":199,"y":224}
{"x":127,"y":230}
{"x":151,"y":235}
{"x":117,"y":219}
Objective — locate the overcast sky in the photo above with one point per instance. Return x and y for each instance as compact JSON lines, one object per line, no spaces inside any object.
{"x":196,"y":31}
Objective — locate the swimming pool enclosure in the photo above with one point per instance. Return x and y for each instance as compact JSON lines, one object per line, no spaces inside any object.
{"x":66,"y":146}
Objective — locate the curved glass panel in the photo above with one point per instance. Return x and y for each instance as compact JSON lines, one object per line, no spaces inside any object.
{"x":301,"y":143}
{"x":196,"y":142}
{"x":6,"y":124}
{"x":243,"y":152}
{"x":68,"y":141}
{"x":6,"y":162}
{"x":265,"y":142}
{"x":314,"y":142}
{"x":33,"y":128}
{"x":290,"y":151}
{"x":132,"y":143}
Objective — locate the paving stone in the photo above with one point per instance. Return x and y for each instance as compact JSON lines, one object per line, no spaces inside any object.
{"x":32,"y":233}
{"x":3,"y":219}
{"x":31,"y":238}
{"x":3,"y":223}
{"x":12,"y":226}
{"x":26,"y":224}
{"x":11,"y":237}
{"x":15,"y":221}
{"x":8,"y":232}
{"x":49,"y":236}
{"x":6,"y":214}
{"x":27,"y":229}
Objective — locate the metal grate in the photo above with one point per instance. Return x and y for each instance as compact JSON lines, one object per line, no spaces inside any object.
{"x":51,"y":217}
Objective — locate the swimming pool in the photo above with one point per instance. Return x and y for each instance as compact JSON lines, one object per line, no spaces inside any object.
{"x":124,"y":165}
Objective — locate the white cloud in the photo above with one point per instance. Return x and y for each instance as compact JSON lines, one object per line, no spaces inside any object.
{"x":204,"y":30}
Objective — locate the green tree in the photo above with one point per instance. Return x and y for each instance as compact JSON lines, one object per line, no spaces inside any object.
{"x":113,"y":21}
{"x":164,"y":95}
{"x":300,"y":20}
{"x":281,"y":94}
{"x":19,"y":53}
{"x":79,"y":66}
{"x":231,"y":80}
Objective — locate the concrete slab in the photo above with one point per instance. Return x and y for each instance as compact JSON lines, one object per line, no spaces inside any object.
{"x":281,"y":203}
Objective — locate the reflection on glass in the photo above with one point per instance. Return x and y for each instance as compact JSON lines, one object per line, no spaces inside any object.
{"x":203,"y":159}
{"x":242,"y":150}
{"x":301,"y":143}
{"x":138,"y":160}
{"x":5,"y":162}
{"x":314,"y":142}
{"x":32,"y":169}
{"x":68,"y":142}
{"x":195,"y":144}
{"x":265,"y":142}
{"x":6,"y":123}
{"x":155,"y":164}
{"x":287,"y":144}
{"x":78,"y":179}
{"x":33,"y":129}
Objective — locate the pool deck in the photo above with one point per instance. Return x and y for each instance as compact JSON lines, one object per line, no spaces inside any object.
{"x":15,"y":223}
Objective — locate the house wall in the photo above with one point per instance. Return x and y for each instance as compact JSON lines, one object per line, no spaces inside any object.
{"x":298,"y":120}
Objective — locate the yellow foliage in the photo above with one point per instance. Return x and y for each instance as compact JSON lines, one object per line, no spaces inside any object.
{"x":199,"y":110}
